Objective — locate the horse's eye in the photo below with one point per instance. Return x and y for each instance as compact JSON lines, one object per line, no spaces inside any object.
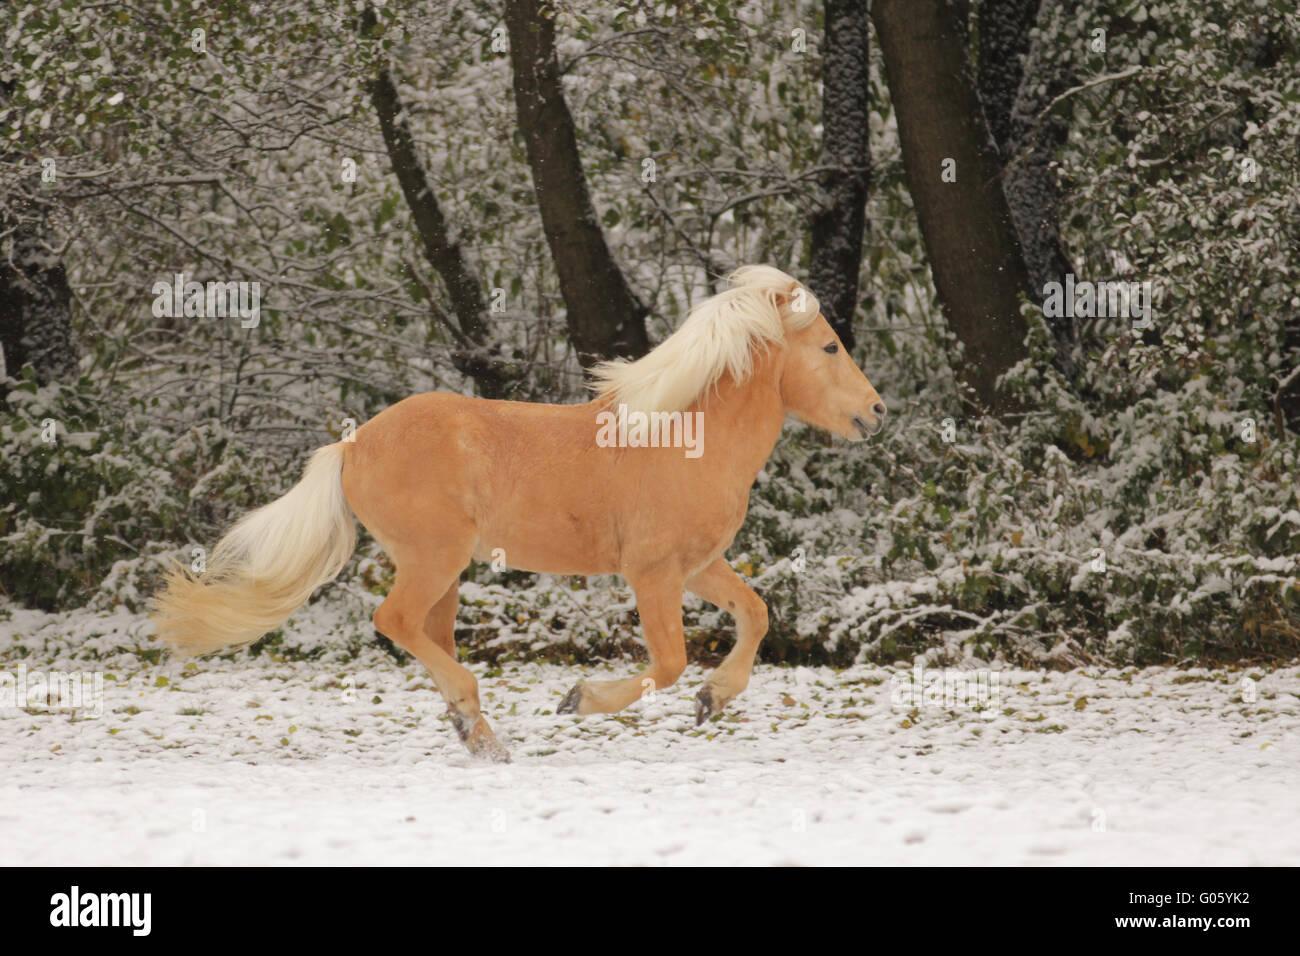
{"x":831,"y":349}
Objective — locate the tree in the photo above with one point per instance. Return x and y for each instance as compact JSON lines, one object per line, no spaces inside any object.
{"x":35,"y":300}
{"x":840,"y":217}
{"x":1018,"y":82}
{"x":35,"y":310}
{"x":605,"y":317}
{"x":474,"y":355}
{"x":979,"y":272}
{"x":1004,"y":29}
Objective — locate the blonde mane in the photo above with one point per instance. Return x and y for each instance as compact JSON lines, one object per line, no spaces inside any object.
{"x":719,"y":335}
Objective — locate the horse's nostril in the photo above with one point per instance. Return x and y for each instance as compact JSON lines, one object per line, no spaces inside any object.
{"x":879,"y":409}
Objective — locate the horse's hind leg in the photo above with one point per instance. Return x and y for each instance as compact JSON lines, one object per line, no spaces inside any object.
{"x":719,"y":584}
{"x":660,"y":605}
{"x":418,"y":616}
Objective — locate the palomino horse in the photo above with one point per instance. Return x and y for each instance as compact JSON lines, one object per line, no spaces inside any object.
{"x":440,"y":479}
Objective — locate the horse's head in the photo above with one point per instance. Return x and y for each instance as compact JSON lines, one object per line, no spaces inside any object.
{"x":822,"y":385}
{"x":764,"y":313}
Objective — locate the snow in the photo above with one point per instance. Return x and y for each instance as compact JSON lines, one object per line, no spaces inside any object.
{"x":349,"y":760}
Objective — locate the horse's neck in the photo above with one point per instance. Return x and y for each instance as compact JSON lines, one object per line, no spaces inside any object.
{"x":743,"y":422}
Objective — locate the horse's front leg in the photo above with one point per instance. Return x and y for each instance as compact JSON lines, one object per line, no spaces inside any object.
{"x":660,"y":605}
{"x":719,"y":584}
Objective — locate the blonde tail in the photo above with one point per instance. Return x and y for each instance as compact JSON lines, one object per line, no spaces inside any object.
{"x":265,"y":567}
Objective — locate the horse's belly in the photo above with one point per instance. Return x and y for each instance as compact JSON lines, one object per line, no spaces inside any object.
{"x":549,"y":544}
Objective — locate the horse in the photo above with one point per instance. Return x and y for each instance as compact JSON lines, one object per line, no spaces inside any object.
{"x":441,"y":479}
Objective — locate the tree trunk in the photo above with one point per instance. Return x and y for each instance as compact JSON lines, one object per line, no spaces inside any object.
{"x":35,"y":301}
{"x":1034,"y":76}
{"x":1004,"y":27}
{"x":840,"y":219}
{"x":35,"y":311}
{"x":974,"y":254}
{"x":605,"y":318}
{"x":473,"y":355}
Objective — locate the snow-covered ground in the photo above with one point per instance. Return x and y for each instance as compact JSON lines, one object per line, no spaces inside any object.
{"x":256,"y":760}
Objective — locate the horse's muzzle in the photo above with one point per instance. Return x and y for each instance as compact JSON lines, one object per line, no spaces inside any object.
{"x":867,"y":429}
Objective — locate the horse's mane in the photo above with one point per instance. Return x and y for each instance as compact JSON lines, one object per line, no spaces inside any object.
{"x":719,"y":335}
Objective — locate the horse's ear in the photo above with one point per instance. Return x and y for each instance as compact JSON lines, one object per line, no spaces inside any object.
{"x":784,"y":297}
{"x":795,"y":299}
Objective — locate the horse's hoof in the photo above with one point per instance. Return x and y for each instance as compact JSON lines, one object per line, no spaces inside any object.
{"x":570,"y":703}
{"x":704,"y":705}
{"x":477,"y":736}
{"x":491,"y":751}
{"x":464,"y":723}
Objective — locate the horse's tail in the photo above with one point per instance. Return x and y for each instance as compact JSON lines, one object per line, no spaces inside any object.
{"x":265,"y":567}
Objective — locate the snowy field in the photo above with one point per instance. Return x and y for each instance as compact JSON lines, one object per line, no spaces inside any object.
{"x":289,"y":762}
